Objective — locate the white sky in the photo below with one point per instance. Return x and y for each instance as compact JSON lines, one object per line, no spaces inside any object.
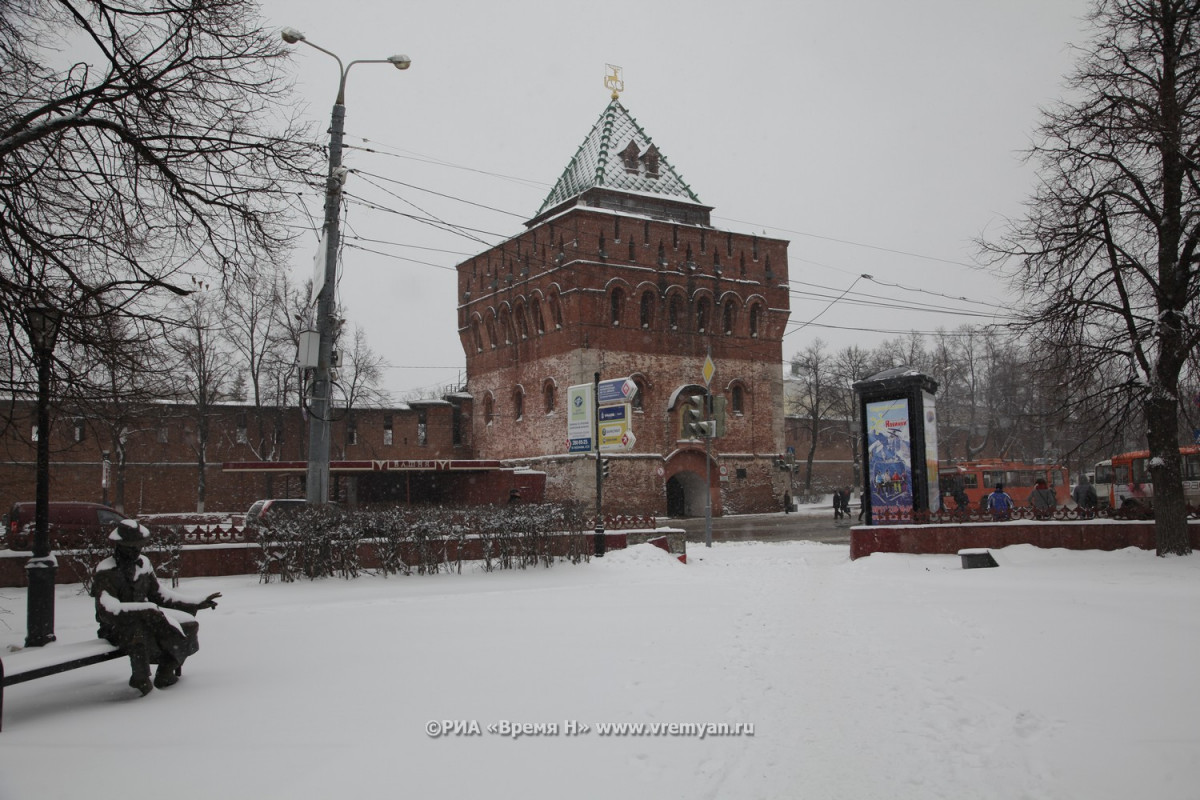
{"x":1060,"y":674}
{"x":852,"y":130}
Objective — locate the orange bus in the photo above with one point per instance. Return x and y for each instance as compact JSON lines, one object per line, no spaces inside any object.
{"x":1131,"y":477}
{"x":978,"y":478}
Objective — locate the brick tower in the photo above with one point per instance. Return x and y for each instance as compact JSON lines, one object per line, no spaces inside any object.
{"x":621,"y":273}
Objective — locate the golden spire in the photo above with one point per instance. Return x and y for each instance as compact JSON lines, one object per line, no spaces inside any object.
{"x":613,"y":81}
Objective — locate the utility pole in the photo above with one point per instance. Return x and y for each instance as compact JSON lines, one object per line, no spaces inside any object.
{"x":321,"y":401}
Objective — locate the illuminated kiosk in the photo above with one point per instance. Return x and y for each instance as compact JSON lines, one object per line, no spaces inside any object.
{"x":899,"y":434}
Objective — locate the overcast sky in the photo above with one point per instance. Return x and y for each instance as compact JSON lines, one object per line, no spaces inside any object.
{"x":878,"y":137}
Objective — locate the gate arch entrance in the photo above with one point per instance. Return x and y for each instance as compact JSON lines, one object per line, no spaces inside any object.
{"x":685,"y":495}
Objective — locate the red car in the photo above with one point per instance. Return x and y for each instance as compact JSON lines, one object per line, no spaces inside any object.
{"x":72,"y":524}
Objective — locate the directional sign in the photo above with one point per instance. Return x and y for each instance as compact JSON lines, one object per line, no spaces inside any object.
{"x":709,"y":369}
{"x":611,"y":413}
{"x":621,"y":444}
{"x":617,"y":390}
{"x":614,"y":427}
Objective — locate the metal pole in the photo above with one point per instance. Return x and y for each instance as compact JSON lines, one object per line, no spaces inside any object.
{"x":320,"y":402}
{"x":598,"y":541}
{"x":41,"y":569}
{"x":104,"y":467}
{"x":708,"y":469}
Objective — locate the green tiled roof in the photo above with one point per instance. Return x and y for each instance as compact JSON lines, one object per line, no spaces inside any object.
{"x":601,"y":161}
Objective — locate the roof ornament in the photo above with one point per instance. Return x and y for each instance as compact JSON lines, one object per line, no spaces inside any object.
{"x":613,"y":80}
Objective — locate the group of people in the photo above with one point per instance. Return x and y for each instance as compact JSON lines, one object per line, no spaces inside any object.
{"x":841,"y":503}
{"x":1043,"y":500}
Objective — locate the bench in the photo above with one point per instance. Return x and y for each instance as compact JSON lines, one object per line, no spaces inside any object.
{"x":38,"y":662}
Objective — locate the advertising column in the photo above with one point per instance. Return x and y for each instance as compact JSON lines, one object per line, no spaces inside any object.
{"x":899,"y":429}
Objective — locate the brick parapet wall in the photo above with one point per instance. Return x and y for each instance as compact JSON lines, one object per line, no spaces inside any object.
{"x":242,"y":558}
{"x":949,"y":539}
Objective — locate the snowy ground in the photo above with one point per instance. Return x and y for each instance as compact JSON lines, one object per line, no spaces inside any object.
{"x":1059,"y":675}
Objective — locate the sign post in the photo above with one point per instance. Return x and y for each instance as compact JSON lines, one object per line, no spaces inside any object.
{"x":710,"y":369}
{"x":599,"y":545}
{"x":598,"y":417}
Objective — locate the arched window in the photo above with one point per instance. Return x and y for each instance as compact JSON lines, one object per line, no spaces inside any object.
{"x":616,"y":306}
{"x":522,"y":322}
{"x":491,"y":330}
{"x":489,"y":409}
{"x":737,"y":399}
{"x":548,"y":392}
{"x":754,"y":320}
{"x":702,"y":315}
{"x":639,"y":399}
{"x":646,"y":315}
{"x":727,"y":318}
{"x":518,"y":403}
{"x":506,"y":326}
{"x":477,"y":334}
{"x":539,"y":324}
{"x":556,"y":312}
{"x":674,"y":312}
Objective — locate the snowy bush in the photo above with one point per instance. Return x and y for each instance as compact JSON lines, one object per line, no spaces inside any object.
{"x":328,"y":541}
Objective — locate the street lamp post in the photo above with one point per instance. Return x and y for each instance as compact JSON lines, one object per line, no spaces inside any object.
{"x":42,"y":324}
{"x":321,"y":401}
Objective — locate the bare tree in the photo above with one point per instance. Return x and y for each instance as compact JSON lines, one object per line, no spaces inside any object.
{"x":163,"y":150}
{"x":850,"y":365}
{"x":129,"y":370}
{"x":204,"y":372}
{"x":362,"y":374}
{"x":1108,"y":251}
{"x":257,"y":329}
{"x":812,"y":368}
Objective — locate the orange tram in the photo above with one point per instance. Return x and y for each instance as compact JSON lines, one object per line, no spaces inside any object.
{"x":1131,"y":484}
{"x":977,"y":479}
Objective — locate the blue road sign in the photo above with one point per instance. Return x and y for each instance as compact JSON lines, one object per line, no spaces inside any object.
{"x":610,"y":413}
{"x":617,"y":390}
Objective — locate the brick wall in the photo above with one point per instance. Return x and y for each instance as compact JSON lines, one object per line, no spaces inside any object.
{"x":598,"y":291}
{"x":161,"y":473}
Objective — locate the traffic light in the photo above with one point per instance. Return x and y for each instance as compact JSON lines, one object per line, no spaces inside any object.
{"x":694,"y":424}
{"x":604,"y":467}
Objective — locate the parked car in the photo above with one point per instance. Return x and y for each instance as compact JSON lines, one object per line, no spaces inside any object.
{"x":263,"y":511}
{"x":72,"y":524}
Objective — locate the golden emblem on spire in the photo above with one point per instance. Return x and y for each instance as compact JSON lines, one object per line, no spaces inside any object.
{"x":613,"y":81}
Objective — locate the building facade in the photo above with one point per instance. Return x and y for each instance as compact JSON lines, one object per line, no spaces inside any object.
{"x":146,"y":458}
{"x":621,"y":274}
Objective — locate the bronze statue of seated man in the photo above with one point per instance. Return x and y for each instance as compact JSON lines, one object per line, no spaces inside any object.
{"x":151,"y":624}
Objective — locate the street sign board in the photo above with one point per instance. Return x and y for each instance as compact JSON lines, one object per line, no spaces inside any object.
{"x":621,"y":443}
{"x":579,"y":419}
{"x":617,"y":390}
{"x":614,"y":427}
{"x":709,"y":370}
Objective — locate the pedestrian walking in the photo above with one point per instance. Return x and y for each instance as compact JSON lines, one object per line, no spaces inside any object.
{"x":1000,"y":503}
{"x":1085,"y":498}
{"x":846,"y":502}
{"x":1043,"y":500}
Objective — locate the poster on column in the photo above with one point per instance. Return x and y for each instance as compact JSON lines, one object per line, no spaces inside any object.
{"x":931,"y":453}
{"x":889,"y":458}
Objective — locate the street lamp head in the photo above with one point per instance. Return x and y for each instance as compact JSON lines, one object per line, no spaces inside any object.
{"x":291,"y":35}
{"x":400,"y":62}
{"x":43,"y":326}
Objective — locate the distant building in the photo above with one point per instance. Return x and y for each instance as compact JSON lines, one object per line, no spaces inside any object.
{"x":620,"y":272}
{"x":412,"y":454}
